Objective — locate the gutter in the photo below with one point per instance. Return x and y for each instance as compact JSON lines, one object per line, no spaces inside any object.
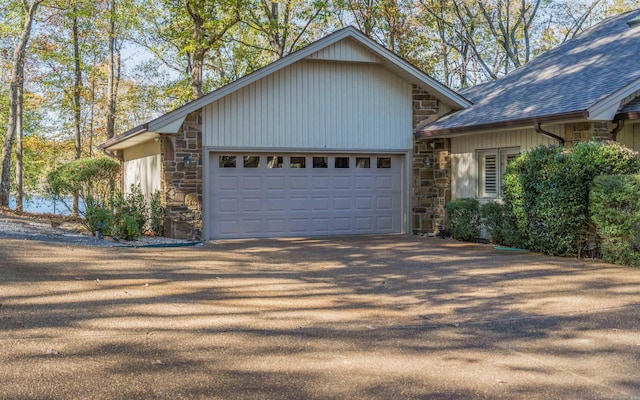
{"x":548,"y":134}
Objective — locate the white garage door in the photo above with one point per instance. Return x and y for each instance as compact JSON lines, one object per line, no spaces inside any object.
{"x":303,"y":195}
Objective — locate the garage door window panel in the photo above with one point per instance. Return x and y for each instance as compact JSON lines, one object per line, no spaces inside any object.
{"x":252,"y":161}
{"x":320,"y":162}
{"x":275,"y":161}
{"x":227,"y":161}
{"x":363,"y":162}
{"x":384,"y":162}
{"x":297,"y":162}
{"x":341,"y":162}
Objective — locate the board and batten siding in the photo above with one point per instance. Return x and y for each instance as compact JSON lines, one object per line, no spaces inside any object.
{"x":142,"y":166}
{"x":315,"y":105}
{"x":464,"y":163}
{"x":345,"y":50}
{"x":630,"y":136}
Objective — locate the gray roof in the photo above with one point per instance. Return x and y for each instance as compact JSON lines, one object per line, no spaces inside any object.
{"x":561,"y":82}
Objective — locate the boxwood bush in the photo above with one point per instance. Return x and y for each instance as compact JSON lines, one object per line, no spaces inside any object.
{"x":615,"y":210}
{"x":546,"y":193}
{"x":464,"y":218}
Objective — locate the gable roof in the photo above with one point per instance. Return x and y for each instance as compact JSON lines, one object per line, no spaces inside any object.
{"x":587,"y":77}
{"x":172,"y":121}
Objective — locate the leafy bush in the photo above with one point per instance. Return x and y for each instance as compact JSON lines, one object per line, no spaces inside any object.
{"x":493,"y":220}
{"x":464,"y":218}
{"x":156,"y":214}
{"x":547,"y":192}
{"x":86,"y":177}
{"x":615,"y":210}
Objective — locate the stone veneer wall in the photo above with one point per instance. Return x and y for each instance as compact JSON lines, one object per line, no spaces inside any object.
{"x":182,"y":185}
{"x":431,"y":169}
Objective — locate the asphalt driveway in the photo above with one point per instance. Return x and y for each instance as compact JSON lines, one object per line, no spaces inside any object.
{"x":372,"y":317}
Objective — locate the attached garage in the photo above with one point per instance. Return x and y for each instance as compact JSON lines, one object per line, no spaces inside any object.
{"x":260,"y":195}
{"x":319,"y":142}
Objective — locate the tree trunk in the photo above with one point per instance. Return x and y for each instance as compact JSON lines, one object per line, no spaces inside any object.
{"x":112,"y":85}
{"x":77,"y":87}
{"x":19,"y":186}
{"x":17,"y":73}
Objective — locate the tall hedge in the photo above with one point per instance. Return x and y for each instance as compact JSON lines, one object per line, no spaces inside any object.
{"x":546,"y":192}
{"x":615,"y":210}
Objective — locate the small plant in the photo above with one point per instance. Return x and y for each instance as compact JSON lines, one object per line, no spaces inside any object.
{"x":464,"y":218}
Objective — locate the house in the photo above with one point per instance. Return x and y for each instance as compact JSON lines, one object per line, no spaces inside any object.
{"x":587,"y":88}
{"x":320,"y":142}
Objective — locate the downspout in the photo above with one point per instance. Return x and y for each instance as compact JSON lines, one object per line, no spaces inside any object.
{"x":550,"y":135}
{"x":614,"y":132}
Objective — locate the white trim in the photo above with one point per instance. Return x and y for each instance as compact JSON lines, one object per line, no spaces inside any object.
{"x":451,"y":98}
{"x":606,"y":109}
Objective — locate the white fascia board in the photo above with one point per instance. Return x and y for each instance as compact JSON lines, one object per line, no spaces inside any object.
{"x":606,"y":109}
{"x":449,"y":95}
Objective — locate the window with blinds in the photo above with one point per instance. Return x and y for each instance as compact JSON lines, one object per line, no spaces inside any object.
{"x":492,"y":165}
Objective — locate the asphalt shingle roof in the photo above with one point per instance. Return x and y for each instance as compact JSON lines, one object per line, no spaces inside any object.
{"x":570,"y":78}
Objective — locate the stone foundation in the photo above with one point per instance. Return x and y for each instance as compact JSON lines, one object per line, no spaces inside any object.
{"x":182,"y":183}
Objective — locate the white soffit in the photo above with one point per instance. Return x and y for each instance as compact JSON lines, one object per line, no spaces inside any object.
{"x":133,"y":141}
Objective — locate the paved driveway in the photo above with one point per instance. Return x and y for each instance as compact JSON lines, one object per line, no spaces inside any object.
{"x":370,"y":317}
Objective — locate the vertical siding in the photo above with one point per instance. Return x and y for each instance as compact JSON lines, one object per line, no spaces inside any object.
{"x":345,"y":50}
{"x":145,"y":172}
{"x":464,"y":164}
{"x":315,"y":105}
{"x":630,"y":136}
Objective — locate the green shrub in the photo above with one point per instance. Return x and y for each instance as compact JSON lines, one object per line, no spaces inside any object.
{"x":86,"y":177}
{"x":493,"y":219}
{"x":546,"y":193}
{"x":615,"y":210}
{"x":464,"y":218}
{"x":97,"y":216}
{"x":156,"y":214}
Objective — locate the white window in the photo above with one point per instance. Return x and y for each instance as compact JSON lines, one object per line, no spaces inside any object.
{"x":492,"y":165}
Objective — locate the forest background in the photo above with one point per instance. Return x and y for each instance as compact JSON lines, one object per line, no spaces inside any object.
{"x":74,"y":73}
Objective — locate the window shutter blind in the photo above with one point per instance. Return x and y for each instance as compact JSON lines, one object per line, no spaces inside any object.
{"x":490,"y":174}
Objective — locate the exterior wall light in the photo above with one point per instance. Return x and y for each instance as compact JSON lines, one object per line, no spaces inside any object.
{"x":187,"y":161}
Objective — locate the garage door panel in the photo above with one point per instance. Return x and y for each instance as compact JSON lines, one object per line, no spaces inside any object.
{"x":275,"y":204}
{"x":228,"y":183}
{"x":298,"y":183}
{"x":263,"y":201}
{"x":342,"y":203}
{"x":252,"y":204}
